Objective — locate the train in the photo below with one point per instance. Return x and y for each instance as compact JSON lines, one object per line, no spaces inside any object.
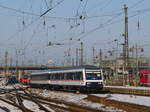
{"x":82,"y":78}
{"x":24,"y":80}
{"x":144,"y":78}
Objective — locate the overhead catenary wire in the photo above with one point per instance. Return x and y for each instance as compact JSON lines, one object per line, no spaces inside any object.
{"x":65,"y":18}
{"x":136,"y":4}
{"x":26,"y":25}
{"x":32,"y":22}
{"x":50,"y":17}
{"x":106,"y":5}
{"x":116,"y":14}
{"x":58,"y":3}
{"x":99,"y":27}
{"x":32,"y":36}
{"x":85,"y":4}
{"x":101,"y":16}
{"x":97,"y":5}
{"x":138,"y":12}
{"x":46,"y":3}
{"x":83,"y":35}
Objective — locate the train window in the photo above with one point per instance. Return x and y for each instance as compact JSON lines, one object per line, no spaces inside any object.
{"x":49,"y":76}
{"x":62,"y":76}
{"x":69,"y":76}
{"x":78,"y":76}
{"x":93,"y":76}
{"x":57,"y":77}
{"x":44,"y":77}
{"x":65,"y":76}
{"x":52,"y":77}
{"x":73,"y":76}
{"x":40,"y":77}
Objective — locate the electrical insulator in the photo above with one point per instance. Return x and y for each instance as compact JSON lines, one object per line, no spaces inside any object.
{"x":23,"y":23}
{"x":50,"y":43}
{"x":142,"y":50}
{"x":53,"y":26}
{"x":78,"y":24}
{"x":81,"y":17}
{"x":138,"y":25}
{"x":71,"y":26}
{"x":44,"y":23}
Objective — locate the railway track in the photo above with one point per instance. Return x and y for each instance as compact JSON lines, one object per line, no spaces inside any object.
{"x":4,"y":109}
{"x":15,"y":100}
{"x":59,"y":105}
{"x":63,"y":105}
{"x":42,"y":102}
{"x":126,"y":90}
{"x":14,"y":96}
{"x":128,"y":107}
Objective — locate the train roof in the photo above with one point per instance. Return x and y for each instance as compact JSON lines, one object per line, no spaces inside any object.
{"x":78,"y":67}
{"x":68,"y":68}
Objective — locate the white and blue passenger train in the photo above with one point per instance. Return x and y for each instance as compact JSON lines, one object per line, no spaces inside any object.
{"x":72,"y":78}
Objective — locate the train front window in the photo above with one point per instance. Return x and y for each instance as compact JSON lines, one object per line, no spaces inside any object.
{"x":93,"y":76}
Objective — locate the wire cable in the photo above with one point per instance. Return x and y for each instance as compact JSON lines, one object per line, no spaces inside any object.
{"x":58,"y":3}
{"x":33,"y":35}
{"x":32,"y":22}
{"x":136,"y":4}
{"x":106,"y":24}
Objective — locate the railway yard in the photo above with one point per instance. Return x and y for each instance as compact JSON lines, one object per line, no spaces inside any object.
{"x":74,"y":56}
{"x":70,"y":90}
{"x":22,"y":99}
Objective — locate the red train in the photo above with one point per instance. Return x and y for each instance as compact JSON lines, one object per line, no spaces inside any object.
{"x":24,"y":80}
{"x":145,"y":77}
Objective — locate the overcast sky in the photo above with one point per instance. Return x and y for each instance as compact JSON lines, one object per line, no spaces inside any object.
{"x":97,"y":23}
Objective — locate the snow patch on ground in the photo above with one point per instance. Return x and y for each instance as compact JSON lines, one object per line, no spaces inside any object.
{"x":10,"y":107}
{"x":61,"y":105}
{"x":140,"y":100}
{"x":75,"y":98}
{"x":2,"y":110}
{"x":129,"y":87}
{"x":34,"y":107}
{"x":46,"y":106}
